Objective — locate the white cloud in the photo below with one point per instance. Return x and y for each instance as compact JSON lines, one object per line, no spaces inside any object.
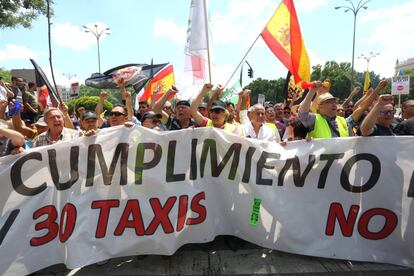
{"x":74,"y":37}
{"x":243,"y":21}
{"x":170,"y":30}
{"x":314,"y":58}
{"x":18,"y":52}
{"x":308,"y":6}
{"x":391,"y":35}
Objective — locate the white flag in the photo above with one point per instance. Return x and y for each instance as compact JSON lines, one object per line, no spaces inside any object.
{"x":196,"y":46}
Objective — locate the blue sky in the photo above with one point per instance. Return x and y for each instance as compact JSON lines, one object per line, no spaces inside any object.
{"x":141,"y":30}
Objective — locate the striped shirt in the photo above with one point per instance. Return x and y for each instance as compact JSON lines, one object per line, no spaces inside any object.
{"x":44,"y":138}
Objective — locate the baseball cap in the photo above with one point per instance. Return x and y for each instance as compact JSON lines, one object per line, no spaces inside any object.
{"x":202,"y":105}
{"x":89,"y":115}
{"x":183,"y":102}
{"x":219,"y":105}
{"x":150,"y":114}
{"x":324,"y":97}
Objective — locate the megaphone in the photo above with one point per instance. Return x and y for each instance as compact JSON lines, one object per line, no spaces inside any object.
{"x":306,"y":85}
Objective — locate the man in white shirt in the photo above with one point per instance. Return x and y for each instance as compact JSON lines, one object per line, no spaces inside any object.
{"x":255,"y":127}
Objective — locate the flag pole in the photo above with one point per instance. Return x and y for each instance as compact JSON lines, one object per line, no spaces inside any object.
{"x":59,"y":98}
{"x":244,"y":57}
{"x":208,"y":41}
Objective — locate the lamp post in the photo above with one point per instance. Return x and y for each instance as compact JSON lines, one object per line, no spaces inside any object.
{"x":355,"y":9}
{"x":69,"y":76}
{"x":97,"y":33}
{"x":368,"y":57}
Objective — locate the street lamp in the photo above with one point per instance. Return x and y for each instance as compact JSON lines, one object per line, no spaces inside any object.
{"x":355,"y":9}
{"x":368,"y":57}
{"x":69,"y":76}
{"x":97,"y":33}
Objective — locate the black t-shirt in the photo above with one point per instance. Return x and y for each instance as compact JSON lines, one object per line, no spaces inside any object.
{"x":380,"y":130}
{"x":5,"y":146}
{"x":174,"y":124}
{"x":405,"y":127}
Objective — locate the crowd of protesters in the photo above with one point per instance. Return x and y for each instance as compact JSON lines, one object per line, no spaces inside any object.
{"x":25,"y":122}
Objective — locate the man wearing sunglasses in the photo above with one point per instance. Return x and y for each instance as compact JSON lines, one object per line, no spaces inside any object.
{"x":325,"y":123}
{"x":151,"y":120}
{"x":379,"y":119}
{"x":181,"y":118}
{"x":119,"y":115}
{"x":218,"y":113}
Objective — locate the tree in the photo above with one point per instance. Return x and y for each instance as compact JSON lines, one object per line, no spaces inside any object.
{"x":88,"y":102}
{"x":5,"y":75}
{"x":272,"y":89}
{"x":113,"y":94}
{"x":14,"y":13}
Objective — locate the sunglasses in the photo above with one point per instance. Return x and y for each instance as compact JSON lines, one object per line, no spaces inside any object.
{"x":116,"y":113}
{"x":387,"y":112}
{"x":216,"y":111}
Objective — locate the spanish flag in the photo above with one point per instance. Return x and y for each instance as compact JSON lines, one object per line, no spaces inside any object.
{"x":367,"y":82}
{"x":282,"y":35}
{"x":164,"y":79}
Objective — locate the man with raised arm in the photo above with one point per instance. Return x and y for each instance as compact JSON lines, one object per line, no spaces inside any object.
{"x":218,"y":113}
{"x":324,"y":124}
{"x":181,"y":118}
{"x":256,"y":127}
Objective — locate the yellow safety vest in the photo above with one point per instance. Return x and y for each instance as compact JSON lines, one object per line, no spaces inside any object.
{"x":227,"y":127}
{"x":322,"y":129}
{"x":273,"y":127}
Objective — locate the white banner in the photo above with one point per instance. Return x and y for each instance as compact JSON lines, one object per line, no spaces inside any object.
{"x":400,"y":85}
{"x":134,"y":191}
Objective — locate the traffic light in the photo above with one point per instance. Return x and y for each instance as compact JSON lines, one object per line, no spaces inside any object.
{"x":250,"y":73}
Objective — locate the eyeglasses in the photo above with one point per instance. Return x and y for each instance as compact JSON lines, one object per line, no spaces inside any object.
{"x":155,"y":121}
{"x":166,"y":107}
{"x":286,"y":112}
{"x":270,"y":111}
{"x":387,"y":112}
{"x":116,"y":113}
{"x":216,"y":111}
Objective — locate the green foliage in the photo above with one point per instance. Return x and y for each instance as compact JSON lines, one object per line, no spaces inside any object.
{"x":113,"y":94}
{"x":271,"y":89}
{"x":88,"y":102}
{"x":15,"y":13}
{"x":5,"y":75}
{"x":338,"y":73}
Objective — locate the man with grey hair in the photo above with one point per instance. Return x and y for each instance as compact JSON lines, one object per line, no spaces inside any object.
{"x":57,"y":131}
{"x":406,"y":127}
{"x":255,"y":127}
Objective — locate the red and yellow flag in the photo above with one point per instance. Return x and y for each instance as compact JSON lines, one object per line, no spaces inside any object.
{"x":163,"y":79}
{"x":282,"y":35}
